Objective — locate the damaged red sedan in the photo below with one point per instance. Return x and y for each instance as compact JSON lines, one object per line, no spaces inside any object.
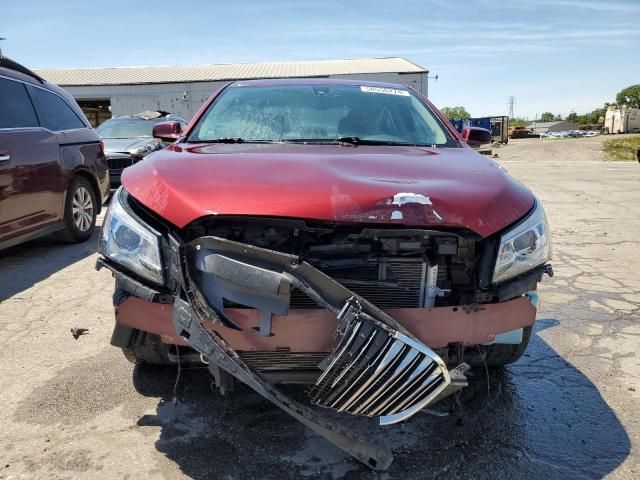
{"x":328,"y":232}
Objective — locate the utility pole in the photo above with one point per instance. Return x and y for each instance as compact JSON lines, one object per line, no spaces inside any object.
{"x":511,"y":102}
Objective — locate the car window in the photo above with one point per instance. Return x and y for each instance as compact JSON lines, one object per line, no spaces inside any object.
{"x":53,"y":111}
{"x":17,"y":110}
{"x":127,"y":127}
{"x":321,"y":113}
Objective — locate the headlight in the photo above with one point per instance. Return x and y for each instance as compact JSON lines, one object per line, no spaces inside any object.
{"x":130,"y":243}
{"x":144,"y":149}
{"x":524,"y":247}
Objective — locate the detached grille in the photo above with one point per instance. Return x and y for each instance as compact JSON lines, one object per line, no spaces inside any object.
{"x":394,"y":283}
{"x":376,"y":372}
{"x":118,"y":162}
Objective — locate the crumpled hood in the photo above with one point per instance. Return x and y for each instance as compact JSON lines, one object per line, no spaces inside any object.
{"x":124,"y":144}
{"x":444,"y":187}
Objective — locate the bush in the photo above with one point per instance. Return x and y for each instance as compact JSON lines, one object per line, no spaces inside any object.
{"x":622,"y":148}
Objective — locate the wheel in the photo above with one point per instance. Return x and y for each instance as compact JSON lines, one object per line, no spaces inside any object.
{"x":80,"y":211}
{"x":147,"y":348}
{"x":500,"y":355}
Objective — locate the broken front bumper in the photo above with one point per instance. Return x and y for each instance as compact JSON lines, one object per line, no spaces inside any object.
{"x":378,"y":368}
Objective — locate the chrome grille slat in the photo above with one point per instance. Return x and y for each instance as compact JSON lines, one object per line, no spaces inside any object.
{"x":357,"y":381}
{"x":391,"y":355}
{"x":409,"y":359}
{"x":416,"y":393}
{"x":384,"y":373}
{"x":372,"y":335}
{"x":415,"y":376}
{"x":344,"y":349}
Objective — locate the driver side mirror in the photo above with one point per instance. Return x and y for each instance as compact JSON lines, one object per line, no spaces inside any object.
{"x":475,"y":136}
{"x":167,"y":131}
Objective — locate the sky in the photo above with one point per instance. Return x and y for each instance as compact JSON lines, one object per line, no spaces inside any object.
{"x":551,"y":55}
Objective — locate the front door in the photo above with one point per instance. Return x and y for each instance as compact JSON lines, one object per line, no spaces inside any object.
{"x":29,"y":158}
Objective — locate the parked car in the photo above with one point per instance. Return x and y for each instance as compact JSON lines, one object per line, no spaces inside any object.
{"x":53,"y":172}
{"x":127,"y":139}
{"x":331,"y":232}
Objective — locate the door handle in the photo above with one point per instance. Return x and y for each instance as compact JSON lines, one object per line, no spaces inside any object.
{"x":5,"y":157}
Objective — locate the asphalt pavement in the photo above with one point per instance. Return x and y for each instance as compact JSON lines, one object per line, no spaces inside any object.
{"x":75,"y":408}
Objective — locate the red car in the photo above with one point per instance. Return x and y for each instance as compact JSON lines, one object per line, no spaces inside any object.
{"x":329,"y":232}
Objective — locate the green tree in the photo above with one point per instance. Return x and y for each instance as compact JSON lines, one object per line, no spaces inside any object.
{"x":547,"y":117}
{"x":629,"y":96}
{"x":572,"y":117}
{"x":518,"y":122}
{"x":455,"y":113}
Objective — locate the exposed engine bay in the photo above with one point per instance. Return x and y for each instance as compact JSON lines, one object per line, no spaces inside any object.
{"x":390,"y":267}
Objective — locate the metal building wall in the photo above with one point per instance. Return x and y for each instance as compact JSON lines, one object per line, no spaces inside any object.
{"x":184,"y":99}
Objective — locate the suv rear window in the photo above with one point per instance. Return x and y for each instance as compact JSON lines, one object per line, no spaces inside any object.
{"x":17,"y":110}
{"x":54,"y":112}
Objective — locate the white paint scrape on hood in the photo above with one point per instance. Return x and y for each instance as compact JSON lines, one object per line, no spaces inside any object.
{"x":406,"y":198}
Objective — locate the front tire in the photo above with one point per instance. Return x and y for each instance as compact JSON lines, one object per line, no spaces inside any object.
{"x":147,"y":350}
{"x":80,"y":212}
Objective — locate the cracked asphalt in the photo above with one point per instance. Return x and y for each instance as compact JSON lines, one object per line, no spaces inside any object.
{"x":77,"y":409}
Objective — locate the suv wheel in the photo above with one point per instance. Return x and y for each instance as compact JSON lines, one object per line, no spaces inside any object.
{"x":80,"y":212}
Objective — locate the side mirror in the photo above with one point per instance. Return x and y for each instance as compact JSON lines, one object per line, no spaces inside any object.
{"x":475,"y":136}
{"x":167,"y":131}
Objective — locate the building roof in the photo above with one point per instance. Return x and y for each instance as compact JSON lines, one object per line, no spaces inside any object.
{"x":222,"y":72}
{"x":548,"y":124}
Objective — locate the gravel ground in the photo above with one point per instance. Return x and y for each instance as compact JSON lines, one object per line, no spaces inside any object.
{"x":76,"y":409}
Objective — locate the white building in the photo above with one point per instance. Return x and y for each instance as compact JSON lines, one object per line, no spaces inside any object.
{"x":621,"y":120}
{"x":557,"y":126}
{"x":183,"y":89}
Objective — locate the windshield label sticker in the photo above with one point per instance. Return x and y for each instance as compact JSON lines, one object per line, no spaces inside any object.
{"x":386,"y":91}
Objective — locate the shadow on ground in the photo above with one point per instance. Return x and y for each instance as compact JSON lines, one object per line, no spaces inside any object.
{"x":19,"y":271}
{"x":539,"y":418}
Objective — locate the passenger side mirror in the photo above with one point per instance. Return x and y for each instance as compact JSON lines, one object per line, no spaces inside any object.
{"x":475,"y":136}
{"x":167,"y":131}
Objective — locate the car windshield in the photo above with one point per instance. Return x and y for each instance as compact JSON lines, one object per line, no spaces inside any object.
{"x":127,"y":127}
{"x":320,"y":114}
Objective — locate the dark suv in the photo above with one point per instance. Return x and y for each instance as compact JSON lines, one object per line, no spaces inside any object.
{"x":53,"y":172}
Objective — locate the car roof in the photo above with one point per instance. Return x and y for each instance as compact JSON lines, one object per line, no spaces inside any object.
{"x":316,"y":81}
{"x":12,"y":69}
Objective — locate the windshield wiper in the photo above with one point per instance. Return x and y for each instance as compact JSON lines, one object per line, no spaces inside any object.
{"x":347,"y":139}
{"x":230,"y":140}
{"x":322,"y":141}
{"x":363,"y":141}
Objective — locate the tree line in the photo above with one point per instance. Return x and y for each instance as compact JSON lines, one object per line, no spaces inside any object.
{"x":629,"y":97}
